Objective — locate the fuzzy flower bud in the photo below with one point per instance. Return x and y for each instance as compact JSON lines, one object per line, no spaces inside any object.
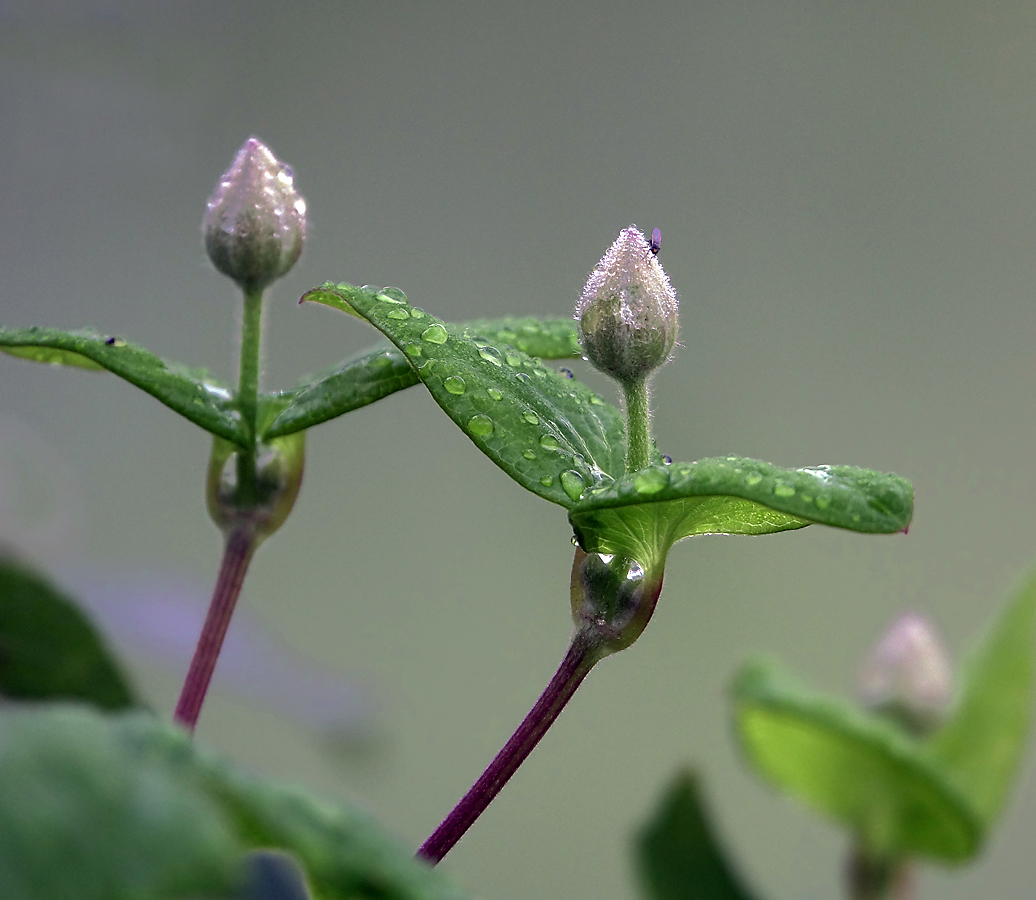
{"x":628,"y":312}
{"x":907,"y":675}
{"x":255,"y":220}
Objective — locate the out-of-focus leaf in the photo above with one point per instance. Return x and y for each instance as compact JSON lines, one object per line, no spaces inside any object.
{"x":644,"y":514}
{"x":48,"y":648}
{"x":122,"y":807}
{"x":194,"y":395}
{"x":857,"y":767}
{"x":273,"y":876}
{"x":982,"y":744}
{"x":678,"y":856}
{"x":551,"y":434}
{"x":377,"y":372}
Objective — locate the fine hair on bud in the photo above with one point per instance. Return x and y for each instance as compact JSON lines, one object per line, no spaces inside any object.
{"x":255,"y":220}
{"x":628,"y":313}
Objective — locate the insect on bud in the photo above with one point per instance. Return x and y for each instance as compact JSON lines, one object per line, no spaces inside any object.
{"x":255,"y":220}
{"x":907,"y":675}
{"x":628,"y":312}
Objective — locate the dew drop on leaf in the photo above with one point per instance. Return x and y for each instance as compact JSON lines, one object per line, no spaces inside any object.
{"x":455,"y":385}
{"x":480,"y":425}
{"x":572,"y":482}
{"x":549,"y":442}
{"x":434,"y":334}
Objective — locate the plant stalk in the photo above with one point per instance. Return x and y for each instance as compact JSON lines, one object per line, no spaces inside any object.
{"x":248,"y":390}
{"x":583,"y":653}
{"x":638,"y":424}
{"x":237,"y":553}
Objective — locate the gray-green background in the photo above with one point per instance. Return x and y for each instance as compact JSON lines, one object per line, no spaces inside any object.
{"x":847,"y":196}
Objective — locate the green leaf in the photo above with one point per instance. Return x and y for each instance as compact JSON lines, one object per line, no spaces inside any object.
{"x":982,"y":744}
{"x":48,"y":648}
{"x":550,"y":433}
{"x":195,"y":396}
{"x":644,"y":514}
{"x":122,"y":807}
{"x":678,"y":856}
{"x":379,"y":371}
{"x":859,"y":768}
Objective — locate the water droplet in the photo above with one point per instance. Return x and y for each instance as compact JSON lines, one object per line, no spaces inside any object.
{"x":650,"y":481}
{"x":494,"y":394}
{"x":566,"y":371}
{"x":490,"y":355}
{"x":522,"y":377}
{"x":413,"y":349}
{"x":572,"y":482}
{"x":822,"y":502}
{"x":480,"y":425}
{"x":531,"y":418}
{"x":667,"y":459}
{"x":426,"y":367}
{"x":595,"y":400}
{"x":434,"y":334}
{"x":513,"y":360}
{"x":380,"y":362}
{"x":386,"y":297}
{"x":575,"y":543}
{"x":416,"y":313}
{"x":528,"y":454}
{"x":455,"y":385}
{"x":780,"y":489}
{"x":539,"y":372}
{"x":546,"y":481}
{"x":549,"y":442}
{"x":578,"y":460}
{"x":397,"y":314}
{"x":753,"y":478}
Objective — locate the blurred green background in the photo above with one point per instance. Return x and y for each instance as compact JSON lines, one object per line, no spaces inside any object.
{"x":847,"y":197}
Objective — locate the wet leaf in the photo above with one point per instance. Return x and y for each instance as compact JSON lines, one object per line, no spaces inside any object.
{"x":195,"y":396}
{"x":983,"y":742}
{"x":857,"y":767}
{"x":678,"y":855}
{"x":644,"y":514}
{"x":122,"y":807}
{"x":550,"y":433}
{"x":49,"y":650}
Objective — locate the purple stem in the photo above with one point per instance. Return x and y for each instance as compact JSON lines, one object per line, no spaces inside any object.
{"x":580,"y":658}
{"x":237,"y":553}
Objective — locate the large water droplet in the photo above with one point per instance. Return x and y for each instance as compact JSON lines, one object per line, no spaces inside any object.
{"x":397,"y":314}
{"x":572,"y":482}
{"x":650,"y":481}
{"x":753,"y":478}
{"x":490,"y":355}
{"x":549,"y":442}
{"x":455,"y":385}
{"x":386,"y":297}
{"x":416,"y":313}
{"x":434,"y":334}
{"x":780,"y":489}
{"x":480,"y":425}
{"x":513,"y":360}
{"x":528,"y":454}
{"x":494,"y":394}
{"x":531,"y":418}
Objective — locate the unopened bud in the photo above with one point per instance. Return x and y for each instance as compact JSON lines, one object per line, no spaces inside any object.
{"x":628,"y":312}
{"x":907,"y":675}
{"x":255,"y":220}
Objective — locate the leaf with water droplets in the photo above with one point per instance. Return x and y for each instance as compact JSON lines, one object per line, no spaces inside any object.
{"x":857,"y":767}
{"x":533,"y":422}
{"x":642,"y":515}
{"x":195,"y":396}
{"x":379,"y":371}
{"x":982,"y":744}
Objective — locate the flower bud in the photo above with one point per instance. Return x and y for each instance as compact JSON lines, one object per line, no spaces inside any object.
{"x":278,"y":476}
{"x":907,"y":676}
{"x":255,"y":220}
{"x":628,"y":312}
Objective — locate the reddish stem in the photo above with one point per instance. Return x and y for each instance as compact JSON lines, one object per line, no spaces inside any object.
{"x":237,"y":553}
{"x":580,"y":658}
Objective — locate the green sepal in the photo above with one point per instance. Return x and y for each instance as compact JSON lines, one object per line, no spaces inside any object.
{"x":982,"y":744}
{"x":123,"y":807}
{"x":508,"y":403}
{"x":642,"y":515}
{"x":49,"y":650}
{"x":194,"y":395}
{"x":379,"y":371}
{"x":677,"y":854}
{"x":857,"y":767}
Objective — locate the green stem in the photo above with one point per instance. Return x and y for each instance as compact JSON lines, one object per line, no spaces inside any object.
{"x":638,"y":425}
{"x":248,"y":389}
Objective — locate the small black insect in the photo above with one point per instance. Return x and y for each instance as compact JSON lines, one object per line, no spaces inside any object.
{"x":656,"y":241}
{"x":110,"y":341}
{"x":564,"y":370}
